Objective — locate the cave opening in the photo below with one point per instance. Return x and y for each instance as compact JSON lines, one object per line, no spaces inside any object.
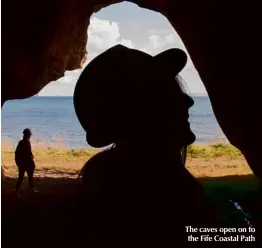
{"x":50,"y":113}
{"x":122,"y":23}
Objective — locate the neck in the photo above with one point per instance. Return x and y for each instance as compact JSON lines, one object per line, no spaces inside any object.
{"x":166,"y":154}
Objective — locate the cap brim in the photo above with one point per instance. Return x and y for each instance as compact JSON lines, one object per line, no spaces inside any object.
{"x":172,"y":60}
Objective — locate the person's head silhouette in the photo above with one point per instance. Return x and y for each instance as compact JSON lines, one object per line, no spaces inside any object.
{"x":27,"y":133}
{"x":135,"y":101}
{"x":125,"y":95}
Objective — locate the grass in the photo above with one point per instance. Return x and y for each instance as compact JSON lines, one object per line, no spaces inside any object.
{"x":214,"y":151}
{"x":212,"y":160}
{"x":211,"y":151}
{"x":49,"y":153}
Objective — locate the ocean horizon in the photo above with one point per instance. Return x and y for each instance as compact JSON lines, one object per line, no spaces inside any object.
{"x":53,"y":121}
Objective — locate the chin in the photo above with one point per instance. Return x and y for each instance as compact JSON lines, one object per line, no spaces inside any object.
{"x":191,"y":138}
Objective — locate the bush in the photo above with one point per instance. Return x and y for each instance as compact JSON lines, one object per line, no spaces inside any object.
{"x":214,"y":151}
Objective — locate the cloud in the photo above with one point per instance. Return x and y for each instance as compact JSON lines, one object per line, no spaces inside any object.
{"x":103,"y":34}
{"x":127,"y":43}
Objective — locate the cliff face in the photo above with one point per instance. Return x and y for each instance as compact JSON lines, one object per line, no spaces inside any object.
{"x":41,"y":40}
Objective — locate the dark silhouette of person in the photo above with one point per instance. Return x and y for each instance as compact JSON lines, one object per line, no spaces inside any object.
{"x":139,"y":188}
{"x":24,"y":159}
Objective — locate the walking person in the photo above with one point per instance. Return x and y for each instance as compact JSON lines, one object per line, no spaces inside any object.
{"x":24,"y":159}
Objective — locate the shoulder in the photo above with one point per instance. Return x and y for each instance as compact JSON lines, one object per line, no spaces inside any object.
{"x":23,"y":141}
{"x":96,"y":168}
{"x":101,"y":158}
{"x":19,"y":146}
{"x":20,"y":143}
{"x":98,"y":162}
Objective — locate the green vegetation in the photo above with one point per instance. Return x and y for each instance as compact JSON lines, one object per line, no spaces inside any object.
{"x":213,"y":160}
{"x":70,"y":153}
{"x":211,"y":151}
{"x":214,"y":151}
{"x":48,"y":152}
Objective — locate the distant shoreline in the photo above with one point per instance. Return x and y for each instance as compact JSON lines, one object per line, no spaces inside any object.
{"x":192,"y":95}
{"x":9,"y":143}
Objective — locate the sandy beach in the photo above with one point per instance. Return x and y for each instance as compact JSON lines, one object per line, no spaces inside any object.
{"x":214,"y":160}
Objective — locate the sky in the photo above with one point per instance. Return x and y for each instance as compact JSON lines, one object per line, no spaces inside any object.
{"x":127,"y":24}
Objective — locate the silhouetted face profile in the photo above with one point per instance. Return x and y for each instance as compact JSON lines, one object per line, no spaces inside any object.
{"x":176,"y":115}
{"x":127,"y":96}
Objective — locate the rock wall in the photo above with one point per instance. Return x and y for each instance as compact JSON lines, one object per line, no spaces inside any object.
{"x":41,"y":40}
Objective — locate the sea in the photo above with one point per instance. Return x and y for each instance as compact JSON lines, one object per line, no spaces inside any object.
{"x":53,"y":122}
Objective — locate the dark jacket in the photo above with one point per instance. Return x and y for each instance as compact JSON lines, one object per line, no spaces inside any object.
{"x":23,"y":152}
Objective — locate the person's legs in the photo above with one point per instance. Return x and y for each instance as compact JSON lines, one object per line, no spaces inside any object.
{"x":30,"y":172}
{"x":21,"y":173}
